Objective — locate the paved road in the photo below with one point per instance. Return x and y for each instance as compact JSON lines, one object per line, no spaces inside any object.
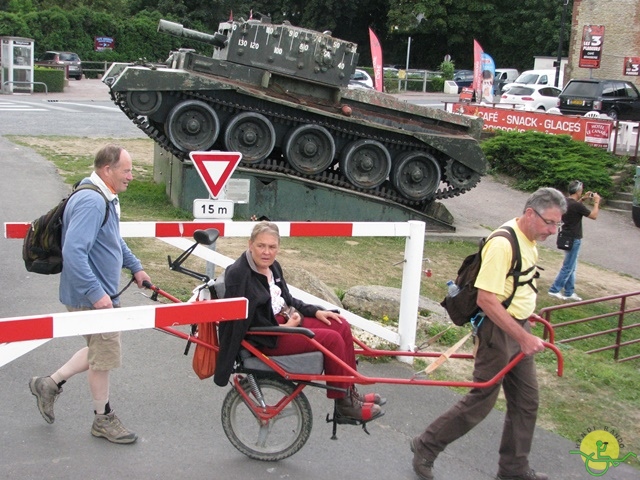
{"x":612,"y":241}
{"x":176,"y":415}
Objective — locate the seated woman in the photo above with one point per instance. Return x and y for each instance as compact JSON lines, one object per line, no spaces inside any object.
{"x":257,"y":276}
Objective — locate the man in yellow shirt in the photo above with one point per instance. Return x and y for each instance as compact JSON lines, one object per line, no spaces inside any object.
{"x":502,"y":334}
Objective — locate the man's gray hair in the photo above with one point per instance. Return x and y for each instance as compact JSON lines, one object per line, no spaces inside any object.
{"x":545,"y":198}
{"x":574,"y":186}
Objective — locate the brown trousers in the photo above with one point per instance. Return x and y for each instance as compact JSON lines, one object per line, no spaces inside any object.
{"x":520,"y":386}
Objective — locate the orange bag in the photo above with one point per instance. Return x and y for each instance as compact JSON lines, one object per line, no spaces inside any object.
{"x":204,"y":358}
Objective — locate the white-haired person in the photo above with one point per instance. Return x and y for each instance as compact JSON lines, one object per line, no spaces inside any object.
{"x":257,"y":276}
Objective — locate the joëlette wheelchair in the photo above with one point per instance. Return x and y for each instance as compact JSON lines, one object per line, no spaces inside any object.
{"x":266,"y":414}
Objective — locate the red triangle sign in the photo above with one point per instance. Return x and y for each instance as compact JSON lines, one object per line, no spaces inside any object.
{"x":215,"y":168}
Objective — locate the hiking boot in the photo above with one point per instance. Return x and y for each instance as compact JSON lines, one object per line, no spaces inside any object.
{"x":573,"y":297}
{"x":422,"y":466}
{"x":530,"y":475}
{"x":368,"y":397}
{"x":46,"y":392}
{"x":110,"y":427}
{"x":351,"y":408}
{"x":558,"y":295}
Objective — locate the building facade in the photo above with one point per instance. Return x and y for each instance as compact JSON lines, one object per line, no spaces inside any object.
{"x":620,"y":40}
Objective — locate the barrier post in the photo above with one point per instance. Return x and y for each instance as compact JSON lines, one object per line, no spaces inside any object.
{"x":410,"y":295}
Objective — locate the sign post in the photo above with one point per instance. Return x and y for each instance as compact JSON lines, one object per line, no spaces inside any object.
{"x":215,"y":170}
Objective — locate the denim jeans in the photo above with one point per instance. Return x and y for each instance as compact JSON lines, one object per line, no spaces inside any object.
{"x":566,"y":277}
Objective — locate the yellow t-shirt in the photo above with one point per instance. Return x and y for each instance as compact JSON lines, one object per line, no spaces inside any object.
{"x":496,"y":262}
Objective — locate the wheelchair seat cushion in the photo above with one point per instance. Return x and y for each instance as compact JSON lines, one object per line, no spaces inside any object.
{"x":310,"y":363}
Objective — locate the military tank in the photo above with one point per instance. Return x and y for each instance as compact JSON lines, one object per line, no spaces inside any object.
{"x":279,"y":95}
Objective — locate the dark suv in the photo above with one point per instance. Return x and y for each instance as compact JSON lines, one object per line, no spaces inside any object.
{"x":63,"y":58}
{"x":463,"y":78}
{"x":619,"y":99}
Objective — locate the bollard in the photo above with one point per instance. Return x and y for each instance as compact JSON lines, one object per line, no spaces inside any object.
{"x":635,"y":208}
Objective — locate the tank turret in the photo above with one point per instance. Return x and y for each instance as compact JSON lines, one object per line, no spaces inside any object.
{"x":278,"y":94}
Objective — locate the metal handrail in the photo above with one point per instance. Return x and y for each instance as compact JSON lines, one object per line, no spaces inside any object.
{"x":8,"y":82}
{"x":618,"y":329}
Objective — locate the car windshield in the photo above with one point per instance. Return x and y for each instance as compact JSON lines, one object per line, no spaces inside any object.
{"x":581,"y":89}
{"x":68,"y":57}
{"x":520,"y":91}
{"x":527,"y":78}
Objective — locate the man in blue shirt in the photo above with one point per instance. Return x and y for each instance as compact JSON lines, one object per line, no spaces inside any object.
{"x":94,"y":255}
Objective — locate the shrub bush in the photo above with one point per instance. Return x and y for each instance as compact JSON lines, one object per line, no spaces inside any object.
{"x":436,"y":84}
{"x":536,"y":159}
{"x":447,"y":69}
{"x":52,"y":77}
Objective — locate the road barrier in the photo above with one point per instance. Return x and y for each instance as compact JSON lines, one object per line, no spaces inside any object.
{"x":179,"y":234}
{"x":39,"y":329}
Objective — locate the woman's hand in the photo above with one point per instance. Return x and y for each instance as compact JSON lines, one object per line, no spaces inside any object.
{"x":325,"y":316}
{"x":294,"y":319}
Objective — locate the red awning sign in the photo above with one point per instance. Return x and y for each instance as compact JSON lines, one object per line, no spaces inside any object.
{"x":215,"y":168}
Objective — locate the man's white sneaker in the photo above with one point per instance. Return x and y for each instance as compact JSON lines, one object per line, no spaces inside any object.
{"x":558,"y":295}
{"x":573,"y":297}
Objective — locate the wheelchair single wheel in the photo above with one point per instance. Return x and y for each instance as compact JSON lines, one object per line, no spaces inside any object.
{"x":272,"y":440}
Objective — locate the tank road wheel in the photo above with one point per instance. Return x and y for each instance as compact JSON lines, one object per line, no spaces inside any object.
{"x":282,"y":436}
{"x":252,"y":135}
{"x":144,"y":103}
{"x":460,"y":176}
{"x":416,"y":175}
{"x":310,"y":149}
{"x":192,"y":125}
{"x":365,"y":163}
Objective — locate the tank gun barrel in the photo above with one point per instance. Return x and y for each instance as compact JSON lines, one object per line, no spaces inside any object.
{"x":177,"y":30}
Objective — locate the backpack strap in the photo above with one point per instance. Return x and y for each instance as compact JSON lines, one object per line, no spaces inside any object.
{"x":516,"y":262}
{"x":90,"y":186}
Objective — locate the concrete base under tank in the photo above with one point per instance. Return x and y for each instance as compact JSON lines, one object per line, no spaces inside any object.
{"x":281,"y":197}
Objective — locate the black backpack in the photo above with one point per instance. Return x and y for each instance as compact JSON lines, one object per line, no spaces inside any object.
{"x":463,"y":306}
{"x":42,"y":247}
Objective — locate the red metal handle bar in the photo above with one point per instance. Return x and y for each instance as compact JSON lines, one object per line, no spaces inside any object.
{"x":355,"y":376}
{"x":161,"y":292}
{"x":358,"y":378}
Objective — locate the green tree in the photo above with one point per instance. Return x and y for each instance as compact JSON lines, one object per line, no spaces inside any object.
{"x":50,"y":29}
{"x":13,"y":25}
{"x":511,"y":32}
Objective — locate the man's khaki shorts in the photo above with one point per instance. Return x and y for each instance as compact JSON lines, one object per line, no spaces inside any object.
{"x":105,"y":349}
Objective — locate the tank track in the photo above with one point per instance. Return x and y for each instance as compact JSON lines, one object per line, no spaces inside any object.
{"x":329,"y":177}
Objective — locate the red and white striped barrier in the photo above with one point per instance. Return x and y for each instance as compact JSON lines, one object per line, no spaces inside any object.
{"x":18,"y":230}
{"x":67,"y":324}
{"x":180,"y":234}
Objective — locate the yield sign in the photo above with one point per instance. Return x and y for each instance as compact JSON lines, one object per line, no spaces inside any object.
{"x":215,"y":168}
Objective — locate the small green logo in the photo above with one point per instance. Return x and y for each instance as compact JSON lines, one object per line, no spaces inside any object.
{"x":600,"y":450}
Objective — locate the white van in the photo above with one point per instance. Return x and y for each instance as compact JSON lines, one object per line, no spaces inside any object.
{"x":538,"y":77}
{"x":503,"y":77}
{"x":506,"y":75}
